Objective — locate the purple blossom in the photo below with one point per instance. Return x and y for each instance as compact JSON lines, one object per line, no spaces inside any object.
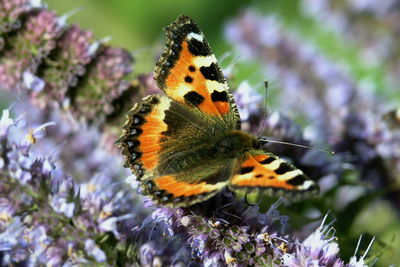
{"x":64,"y":209}
{"x":28,"y":48}
{"x":10,"y":12}
{"x":107,"y":81}
{"x":65,"y":66}
{"x":302,"y":71}
{"x":370,"y":25}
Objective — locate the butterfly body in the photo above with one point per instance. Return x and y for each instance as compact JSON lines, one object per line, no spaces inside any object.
{"x":185,"y":146}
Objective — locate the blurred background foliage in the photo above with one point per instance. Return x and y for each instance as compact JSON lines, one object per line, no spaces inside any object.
{"x":136,"y":25}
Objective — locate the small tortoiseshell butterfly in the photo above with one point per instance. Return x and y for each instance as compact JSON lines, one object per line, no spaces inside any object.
{"x":186,"y":146}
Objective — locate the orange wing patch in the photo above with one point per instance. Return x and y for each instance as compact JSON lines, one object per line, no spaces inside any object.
{"x":188,"y":71}
{"x":141,"y":136}
{"x":150,"y":144}
{"x":264,"y":170}
{"x":179,"y":188}
{"x":254,"y":174}
{"x":187,"y":82}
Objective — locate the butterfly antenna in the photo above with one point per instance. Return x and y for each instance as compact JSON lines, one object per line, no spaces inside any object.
{"x":265,"y":108}
{"x":265,"y":141}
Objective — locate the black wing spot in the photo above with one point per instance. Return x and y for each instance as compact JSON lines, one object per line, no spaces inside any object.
{"x":135,"y":155}
{"x":194,"y":98}
{"x":132,"y":143}
{"x":167,"y":197}
{"x":177,"y":199}
{"x":135,"y":132}
{"x":219,"y":96}
{"x":137,"y":120}
{"x":192,"y":68}
{"x":268,"y":160}
{"x":298,"y":180}
{"x":188,"y":79}
{"x":259,"y":176}
{"x":150,"y":186}
{"x":144,"y":109}
{"x":283,"y":168}
{"x":198,"y":48}
{"x":245,"y":170}
{"x":212,"y":73}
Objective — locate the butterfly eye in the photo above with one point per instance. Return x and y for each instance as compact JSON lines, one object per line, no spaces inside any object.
{"x":256,"y":144}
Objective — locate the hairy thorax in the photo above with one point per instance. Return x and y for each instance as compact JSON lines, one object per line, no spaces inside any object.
{"x":224,"y":147}
{"x":233,"y":144}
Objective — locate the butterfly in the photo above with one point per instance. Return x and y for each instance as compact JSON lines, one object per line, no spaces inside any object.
{"x":186,"y":146}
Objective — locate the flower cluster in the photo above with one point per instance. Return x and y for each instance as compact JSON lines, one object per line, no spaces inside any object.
{"x":236,"y":234}
{"x":48,"y":217}
{"x":107,"y":80}
{"x":372,"y":26}
{"x":67,"y":63}
{"x":233,"y":234}
{"x":60,"y":65}
{"x":25,"y":49}
{"x":10,"y":13}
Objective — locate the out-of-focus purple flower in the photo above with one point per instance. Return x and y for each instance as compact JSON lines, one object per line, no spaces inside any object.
{"x":10,"y":235}
{"x":93,"y":250}
{"x":32,"y":82}
{"x":27,"y":48}
{"x":66,"y":64}
{"x":304,"y":74}
{"x":5,"y":123}
{"x":372,"y":26}
{"x":107,"y":80}
{"x":249,"y":103}
{"x":149,"y":84}
{"x":54,"y":208}
{"x":10,"y":13}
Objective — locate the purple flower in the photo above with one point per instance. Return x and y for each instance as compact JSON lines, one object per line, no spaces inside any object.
{"x":228,"y":235}
{"x":69,"y":61}
{"x":94,"y":251}
{"x":10,"y":13}
{"x":370,"y":25}
{"x":5,"y":123}
{"x":107,"y":80}
{"x":27,"y":49}
{"x":55,"y":208}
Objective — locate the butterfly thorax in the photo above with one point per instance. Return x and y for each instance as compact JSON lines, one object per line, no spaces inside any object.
{"x":234,"y":144}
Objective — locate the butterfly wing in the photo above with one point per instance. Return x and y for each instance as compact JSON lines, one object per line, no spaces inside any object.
{"x":165,"y":145}
{"x":186,"y":188}
{"x":188,"y":72}
{"x":263,"y":172}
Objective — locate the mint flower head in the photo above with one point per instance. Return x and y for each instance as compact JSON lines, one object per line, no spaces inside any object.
{"x":47,"y":216}
{"x":107,"y":80}
{"x":67,"y":63}
{"x":26,"y":49}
